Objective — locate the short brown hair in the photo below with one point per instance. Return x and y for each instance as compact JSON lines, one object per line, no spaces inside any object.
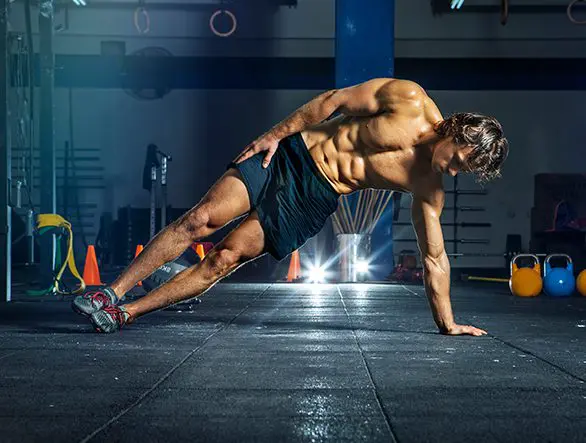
{"x":485,"y":135}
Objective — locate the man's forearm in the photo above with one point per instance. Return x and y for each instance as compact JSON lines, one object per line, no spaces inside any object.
{"x":436,"y":274}
{"x":312,"y":113}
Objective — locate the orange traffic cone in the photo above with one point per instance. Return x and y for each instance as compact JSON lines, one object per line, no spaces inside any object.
{"x":91,"y":273}
{"x":139,"y":249}
{"x":294,"y":267}
{"x":200,"y":251}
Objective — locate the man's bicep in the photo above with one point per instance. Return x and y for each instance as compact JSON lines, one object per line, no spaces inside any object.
{"x":428,"y":229}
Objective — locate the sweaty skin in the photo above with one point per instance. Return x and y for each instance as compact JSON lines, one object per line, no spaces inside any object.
{"x":384,"y":138}
{"x":373,"y":151}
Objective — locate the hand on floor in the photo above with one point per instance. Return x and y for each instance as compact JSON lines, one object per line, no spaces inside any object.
{"x":464,"y":330}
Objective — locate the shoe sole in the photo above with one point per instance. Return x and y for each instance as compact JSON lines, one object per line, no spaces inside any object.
{"x":79,"y":311}
{"x":99,"y":329}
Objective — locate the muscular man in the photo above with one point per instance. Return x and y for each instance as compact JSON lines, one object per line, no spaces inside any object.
{"x":389,"y":135}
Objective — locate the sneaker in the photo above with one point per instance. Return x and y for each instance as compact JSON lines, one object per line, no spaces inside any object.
{"x":109,"y":319}
{"x":93,"y":301}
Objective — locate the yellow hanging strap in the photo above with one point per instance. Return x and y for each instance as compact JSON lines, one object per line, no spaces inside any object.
{"x":48,"y":221}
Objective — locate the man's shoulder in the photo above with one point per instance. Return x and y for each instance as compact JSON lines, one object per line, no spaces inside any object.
{"x":404,"y":87}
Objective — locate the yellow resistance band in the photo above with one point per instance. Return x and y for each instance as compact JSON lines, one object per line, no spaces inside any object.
{"x":56,"y":221}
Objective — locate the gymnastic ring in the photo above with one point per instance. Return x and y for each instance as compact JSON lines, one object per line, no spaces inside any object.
{"x":571,"y":15}
{"x":213,"y":27}
{"x":140,"y":11}
{"x":504,"y":12}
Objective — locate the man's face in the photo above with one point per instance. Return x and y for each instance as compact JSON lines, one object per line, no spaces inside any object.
{"x":450,"y":158}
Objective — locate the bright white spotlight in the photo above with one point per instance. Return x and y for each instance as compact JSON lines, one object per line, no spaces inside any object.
{"x":317,"y":274}
{"x":362,"y":267}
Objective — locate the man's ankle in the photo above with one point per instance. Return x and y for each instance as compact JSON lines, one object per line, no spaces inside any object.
{"x":117,"y":291}
{"x":128,"y":317}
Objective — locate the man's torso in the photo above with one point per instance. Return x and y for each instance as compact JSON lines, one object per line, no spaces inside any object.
{"x":373,"y":152}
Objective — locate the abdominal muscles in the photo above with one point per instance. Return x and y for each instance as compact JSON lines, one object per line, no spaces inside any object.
{"x":345,"y":152}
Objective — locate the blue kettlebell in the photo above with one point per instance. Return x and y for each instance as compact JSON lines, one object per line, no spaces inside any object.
{"x":559,"y":282}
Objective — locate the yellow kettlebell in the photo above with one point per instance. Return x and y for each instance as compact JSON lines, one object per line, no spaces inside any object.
{"x":581,"y":283}
{"x":526,"y":282}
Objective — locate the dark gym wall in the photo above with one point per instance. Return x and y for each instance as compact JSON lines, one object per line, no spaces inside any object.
{"x":204,"y":129}
{"x":543,"y":126}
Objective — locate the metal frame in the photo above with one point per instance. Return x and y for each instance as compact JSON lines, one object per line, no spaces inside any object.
{"x":47,"y":142}
{"x":5,"y":213}
{"x":443,"y":7}
{"x":171,"y":6}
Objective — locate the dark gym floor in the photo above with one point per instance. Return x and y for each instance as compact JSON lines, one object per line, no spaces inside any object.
{"x":287,"y":362}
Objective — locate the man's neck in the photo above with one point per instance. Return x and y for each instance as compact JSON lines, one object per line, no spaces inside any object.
{"x":428,"y":142}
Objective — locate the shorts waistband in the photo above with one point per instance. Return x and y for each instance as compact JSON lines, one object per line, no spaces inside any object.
{"x":302,"y":147}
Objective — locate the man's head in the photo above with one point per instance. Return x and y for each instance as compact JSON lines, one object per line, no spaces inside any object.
{"x":470,"y":143}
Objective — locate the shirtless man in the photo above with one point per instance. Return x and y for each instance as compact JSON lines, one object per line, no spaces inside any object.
{"x":389,"y":135}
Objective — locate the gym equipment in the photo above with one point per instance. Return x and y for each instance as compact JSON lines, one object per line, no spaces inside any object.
{"x":131,"y":228}
{"x":23,"y":237}
{"x":570,"y":13}
{"x":489,"y":279}
{"x":559,"y":282}
{"x":354,"y":251}
{"x":488,"y":254}
{"x":461,"y":224}
{"x":455,"y":224}
{"x":233,"y":21}
{"x":24,"y":215}
{"x":155,"y":159}
{"x":362,"y":217}
{"x":91,"y":271}
{"x":451,"y":208}
{"x":170,"y":269}
{"x":525,"y":282}
{"x":406,"y":270}
{"x":103,"y":243}
{"x":469,"y":241}
{"x":581,"y":283}
{"x":456,"y":4}
{"x":57,"y":225}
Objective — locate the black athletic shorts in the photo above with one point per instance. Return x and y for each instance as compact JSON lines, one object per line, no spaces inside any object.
{"x":293,"y":199}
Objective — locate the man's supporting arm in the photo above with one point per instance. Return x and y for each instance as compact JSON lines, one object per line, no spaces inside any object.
{"x":436,"y":265}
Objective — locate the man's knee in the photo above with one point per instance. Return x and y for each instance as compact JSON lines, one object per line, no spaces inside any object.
{"x":223,"y":260}
{"x":193,"y":222}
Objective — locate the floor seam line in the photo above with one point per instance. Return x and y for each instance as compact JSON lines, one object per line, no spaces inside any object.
{"x":544,"y":360}
{"x":8,"y":355}
{"x":525,"y":351}
{"x":382,"y":410}
{"x":167,"y":375}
